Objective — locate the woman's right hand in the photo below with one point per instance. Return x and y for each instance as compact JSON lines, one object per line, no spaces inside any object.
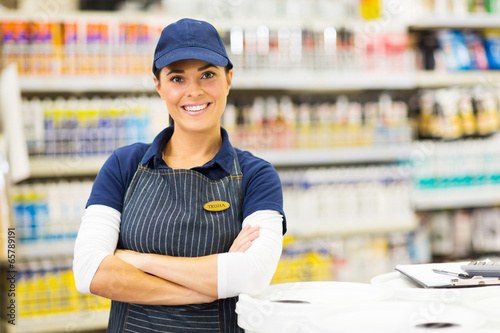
{"x":244,"y":239}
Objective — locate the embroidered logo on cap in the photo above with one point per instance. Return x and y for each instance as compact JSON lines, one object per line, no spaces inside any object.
{"x":216,"y":206}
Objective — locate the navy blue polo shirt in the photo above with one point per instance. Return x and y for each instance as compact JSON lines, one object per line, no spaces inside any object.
{"x":261,"y":183}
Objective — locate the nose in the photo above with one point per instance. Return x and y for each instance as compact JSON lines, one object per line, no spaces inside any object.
{"x":194,"y":89}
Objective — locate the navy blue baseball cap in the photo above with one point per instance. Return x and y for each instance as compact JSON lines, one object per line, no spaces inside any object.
{"x":190,"y":39}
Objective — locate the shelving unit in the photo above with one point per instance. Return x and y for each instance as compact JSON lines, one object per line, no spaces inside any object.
{"x":297,"y":80}
{"x":469,"y":197}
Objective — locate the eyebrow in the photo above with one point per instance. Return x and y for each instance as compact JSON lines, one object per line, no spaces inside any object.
{"x":180,"y":71}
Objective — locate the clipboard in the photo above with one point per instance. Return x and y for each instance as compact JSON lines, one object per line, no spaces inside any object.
{"x":424,"y":275}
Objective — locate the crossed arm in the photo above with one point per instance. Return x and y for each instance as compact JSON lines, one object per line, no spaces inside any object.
{"x":134,"y":277}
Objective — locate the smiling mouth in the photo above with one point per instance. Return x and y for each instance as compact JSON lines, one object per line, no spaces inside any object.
{"x":196,"y":108}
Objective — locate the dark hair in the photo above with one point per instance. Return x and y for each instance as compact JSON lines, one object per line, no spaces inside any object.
{"x":157,"y":75}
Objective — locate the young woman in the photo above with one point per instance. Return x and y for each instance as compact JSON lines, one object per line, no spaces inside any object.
{"x":174,"y":230}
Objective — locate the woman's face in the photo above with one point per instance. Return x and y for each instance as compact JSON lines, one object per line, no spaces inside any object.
{"x":195,"y":92}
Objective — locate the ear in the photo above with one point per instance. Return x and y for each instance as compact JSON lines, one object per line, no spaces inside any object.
{"x":229,"y":79}
{"x":157,"y":86}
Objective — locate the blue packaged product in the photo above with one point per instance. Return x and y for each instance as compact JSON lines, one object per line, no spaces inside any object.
{"x":20,"y":217}
{"x":30,"y":217}
{"x":454,"y":48}
{"x":492,"y":47}
{"x":477,"y":51}
{"x":41,"y":215}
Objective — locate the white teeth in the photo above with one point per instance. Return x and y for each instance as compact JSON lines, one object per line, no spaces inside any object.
{"x":195,"y":107}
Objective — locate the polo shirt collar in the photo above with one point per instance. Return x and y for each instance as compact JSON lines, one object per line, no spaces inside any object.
{"x":224,"y":158}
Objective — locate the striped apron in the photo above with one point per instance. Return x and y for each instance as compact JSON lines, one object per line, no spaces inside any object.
{"x":163,"y":213}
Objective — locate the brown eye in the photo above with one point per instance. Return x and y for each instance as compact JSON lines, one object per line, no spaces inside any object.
{"x":176,"y":79}
{"x":208,"y":75}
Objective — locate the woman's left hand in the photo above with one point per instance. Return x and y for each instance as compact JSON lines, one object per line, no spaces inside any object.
{"x":245,"y":238}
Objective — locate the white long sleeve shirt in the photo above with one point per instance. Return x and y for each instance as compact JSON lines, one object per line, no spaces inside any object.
{"x":237,"y":272}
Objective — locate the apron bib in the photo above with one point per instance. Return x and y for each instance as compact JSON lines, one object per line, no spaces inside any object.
{"x":163,"y":213}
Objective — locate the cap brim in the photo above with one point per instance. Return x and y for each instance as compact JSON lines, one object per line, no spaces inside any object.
{"x":197,"y":53}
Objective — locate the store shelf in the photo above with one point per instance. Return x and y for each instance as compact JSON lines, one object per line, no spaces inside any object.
{"x":321,"y":80}
{"x":300,"y":80}
{"x":81,"y":83}
{"x":454,"y":198}
{"x":47,"y":249}
{"x":69,"y":166}
{"x":286,"y":79}
{"x":344,"y":227}
{"x":433,"y":79}
{"x":468,"y":21}
{"x":73,"y":166}
{"x":352,"y":155}
{"x":64,"y":322}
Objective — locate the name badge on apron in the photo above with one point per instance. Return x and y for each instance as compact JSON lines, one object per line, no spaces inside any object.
{"x":216,"y":206}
